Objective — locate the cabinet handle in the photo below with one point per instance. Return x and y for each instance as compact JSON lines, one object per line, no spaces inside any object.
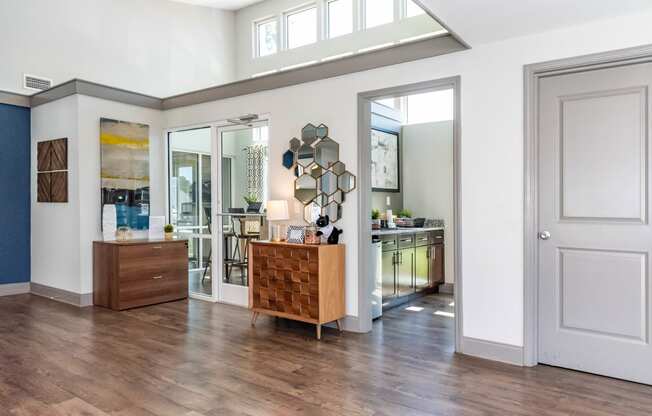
{"x":157,"y":277}
{"x":406,"y":240}
{"x":439,"y":237}
{"x":157,"y":247}
{"x":400,"y":257}
{"x":434,"y":253}
{"x":423,"y":239}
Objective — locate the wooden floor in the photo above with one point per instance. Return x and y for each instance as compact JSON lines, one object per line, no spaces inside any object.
{"x":194,"y":358}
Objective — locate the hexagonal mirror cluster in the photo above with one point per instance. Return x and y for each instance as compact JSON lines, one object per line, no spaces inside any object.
{"x":322,"y":180}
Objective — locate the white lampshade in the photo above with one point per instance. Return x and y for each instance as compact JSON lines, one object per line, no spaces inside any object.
{"x":277,"y":210}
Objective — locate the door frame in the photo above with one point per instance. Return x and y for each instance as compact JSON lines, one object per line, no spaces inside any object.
{"x":364,"y":194}
{"x":532,"y":74}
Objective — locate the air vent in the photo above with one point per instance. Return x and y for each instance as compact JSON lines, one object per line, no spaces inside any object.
{"x":36,"y":83}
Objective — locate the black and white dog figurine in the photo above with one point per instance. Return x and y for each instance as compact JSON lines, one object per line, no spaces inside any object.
{"x":326,"y":229}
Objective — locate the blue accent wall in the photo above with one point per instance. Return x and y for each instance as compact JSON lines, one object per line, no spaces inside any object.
{"x":14,"y":194}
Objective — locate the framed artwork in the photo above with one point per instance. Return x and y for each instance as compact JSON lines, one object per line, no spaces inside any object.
{"x":385,"y":161}
{"x":296,"y":234}
{"x":125,"y":171}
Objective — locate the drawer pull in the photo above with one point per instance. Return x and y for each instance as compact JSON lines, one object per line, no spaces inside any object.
{"x":406,"y":240}
{"x":157,"y":277}
{"x":386,"y":243}
{"x":439,"y":237}
{"x":157,"y":247}
{"x":423,"y":239}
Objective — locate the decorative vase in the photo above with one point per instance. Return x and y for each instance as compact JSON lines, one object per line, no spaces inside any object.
{"x":169,"y":236}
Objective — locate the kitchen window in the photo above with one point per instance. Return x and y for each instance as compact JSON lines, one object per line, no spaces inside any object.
{"x":301,"y":27}
{"x":339,"y":15}
{"x":266,"y":37}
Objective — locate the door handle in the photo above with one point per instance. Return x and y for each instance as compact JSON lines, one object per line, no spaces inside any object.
{"x":544,"y":235}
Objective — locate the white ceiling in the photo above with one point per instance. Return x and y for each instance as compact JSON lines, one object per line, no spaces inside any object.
{"x":221,"y":4}
{"x":481,"y":21}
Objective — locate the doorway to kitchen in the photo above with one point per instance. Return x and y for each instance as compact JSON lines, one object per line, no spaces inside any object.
{"x":409,"y":201}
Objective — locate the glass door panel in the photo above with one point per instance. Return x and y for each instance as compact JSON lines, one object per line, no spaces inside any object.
{"x":243,"y":192}
{"x":190,"y":202}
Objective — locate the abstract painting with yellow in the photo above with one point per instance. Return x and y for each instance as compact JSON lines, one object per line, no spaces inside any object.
{"x":125,"y":171}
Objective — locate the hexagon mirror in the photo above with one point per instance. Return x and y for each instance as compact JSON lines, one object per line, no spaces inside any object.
{"x":321,"y":200}
{"x":328,"y":183}
{"x":346,"y":182}
{"x":322,"y":131}
{"x":299,"y":170}
{"x":338,"y":197}
{"x":338,"y":168}
{"x":288,"y":159}
{"x":305,"y":155}
{"x":309,"y":134}
{"x":327,"y":152}
{"x":333,"y":210}
{"x":305,"y":188}
{"x":311,"y":212}
{"x":295,"y":144}
{"x":316,"y":171}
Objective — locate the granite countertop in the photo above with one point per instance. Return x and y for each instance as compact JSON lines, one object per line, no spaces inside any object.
{"x":391,"y":231}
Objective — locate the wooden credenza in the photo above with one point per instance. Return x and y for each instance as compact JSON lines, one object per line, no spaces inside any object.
{"x":129,"y":274}
{"x":297,"y":281}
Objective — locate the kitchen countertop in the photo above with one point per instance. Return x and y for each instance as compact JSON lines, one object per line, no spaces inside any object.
{"x":392,"y":231}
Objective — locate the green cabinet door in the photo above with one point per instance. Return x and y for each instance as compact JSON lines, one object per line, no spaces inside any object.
{"x":389,"y":274}
{"x":404,"y":271}
{"x":421,"y":260}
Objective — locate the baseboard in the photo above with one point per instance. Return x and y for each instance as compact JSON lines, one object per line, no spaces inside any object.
{"x":495,"y":351}
{"x":9,"y":289}
{"x":448,"y":288}
{"x":60,"y":295}
{"x":349,"y":324}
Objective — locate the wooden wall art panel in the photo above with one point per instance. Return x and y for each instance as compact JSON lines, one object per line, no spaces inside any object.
{"x":52,"y":168}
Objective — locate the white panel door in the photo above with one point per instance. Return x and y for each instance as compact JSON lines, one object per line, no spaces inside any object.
{"x":595,"y":236}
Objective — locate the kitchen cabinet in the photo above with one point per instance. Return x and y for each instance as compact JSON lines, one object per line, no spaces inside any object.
{"x":412,"y":263}
{"x":421,"y":267}
{"x":388,"y":263}
{"x":436,"y":267}
{"x":404,"y":271}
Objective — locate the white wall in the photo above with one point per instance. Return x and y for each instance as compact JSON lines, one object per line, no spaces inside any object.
{"x":55,"y":257}
{"x":248,"y":65}
{"x":155,"y":47}
{"x":428,"y":179}
{"x":62,"y":234}
{"x":492,"y":152}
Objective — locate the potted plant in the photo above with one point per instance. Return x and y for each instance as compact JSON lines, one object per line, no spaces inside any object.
{"x":253,"y":204}
{"x":169,"y":231}
{"x":375,"y":219}
{"x":405,"y":213}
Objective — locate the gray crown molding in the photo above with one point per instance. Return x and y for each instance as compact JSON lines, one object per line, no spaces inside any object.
{"x":12,"y":98}
{"x":92,"y":89}
{"x":420,"y":49}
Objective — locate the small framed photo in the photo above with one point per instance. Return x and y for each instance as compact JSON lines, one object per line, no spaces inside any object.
{"x":296,"y":234}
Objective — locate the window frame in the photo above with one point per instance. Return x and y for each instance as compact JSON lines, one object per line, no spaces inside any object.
{"x":256,"y":35}
{"x":404,"y":8}
{"x":327,"y":19}
{"x":286,"y":27}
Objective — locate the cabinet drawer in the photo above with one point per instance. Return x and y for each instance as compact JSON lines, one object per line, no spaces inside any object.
{"x":148,"y":258}
{"x":148,"y":290}
{"x":436,"y":237}
{"x":406,"y":241}
{"x":422,"y":239}
{"x":389,"y":242}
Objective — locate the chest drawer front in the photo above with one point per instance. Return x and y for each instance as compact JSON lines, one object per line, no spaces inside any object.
{"x":148,"y":290}
{"x":286,"y":279}
{"x":388,"y":242}
{"x":150,"y":258}
{"x":422,"y":239}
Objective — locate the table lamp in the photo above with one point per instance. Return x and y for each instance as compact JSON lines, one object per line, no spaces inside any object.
{"x":277,"y":211}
